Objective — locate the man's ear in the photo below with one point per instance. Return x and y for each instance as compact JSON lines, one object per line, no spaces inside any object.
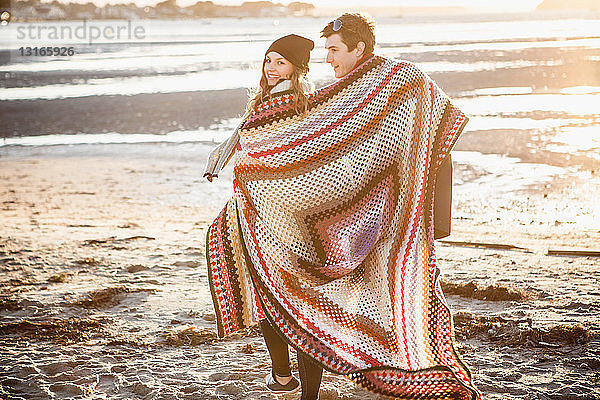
{"x":360,"y":49}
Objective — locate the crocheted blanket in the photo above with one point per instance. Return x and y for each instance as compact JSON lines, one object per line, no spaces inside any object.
{"x":329,"y":233}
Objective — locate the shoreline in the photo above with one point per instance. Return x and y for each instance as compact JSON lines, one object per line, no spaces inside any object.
{"x":159,"y":113}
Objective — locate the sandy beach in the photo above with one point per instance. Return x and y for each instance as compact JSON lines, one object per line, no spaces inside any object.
{"x":104,"y":291}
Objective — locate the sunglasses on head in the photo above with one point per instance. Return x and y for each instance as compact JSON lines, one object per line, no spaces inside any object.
{"x":337,"y":25}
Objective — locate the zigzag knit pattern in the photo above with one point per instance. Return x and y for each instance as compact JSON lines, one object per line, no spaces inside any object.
{"x":329,"y":233}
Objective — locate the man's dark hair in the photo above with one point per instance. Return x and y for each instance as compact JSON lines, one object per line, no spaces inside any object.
{"x":355,"y":28}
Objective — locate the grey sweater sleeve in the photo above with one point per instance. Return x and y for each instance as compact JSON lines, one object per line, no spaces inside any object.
{"x":221,"y":155}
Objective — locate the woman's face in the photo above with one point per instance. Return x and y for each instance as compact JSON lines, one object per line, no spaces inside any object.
{"x":276,"y":68}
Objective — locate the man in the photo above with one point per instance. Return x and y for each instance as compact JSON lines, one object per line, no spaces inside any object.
{"x":349,"y":40}
{"x":330,"y":233}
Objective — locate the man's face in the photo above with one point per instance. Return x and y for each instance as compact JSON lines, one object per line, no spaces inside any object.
{"x":342,"y":60}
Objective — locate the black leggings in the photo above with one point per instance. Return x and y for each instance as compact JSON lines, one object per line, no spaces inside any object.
{"x":310,"y":372}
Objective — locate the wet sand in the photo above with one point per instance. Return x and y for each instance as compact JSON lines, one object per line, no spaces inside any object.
{"x":104,"y":292}
{"x":143,"y":113}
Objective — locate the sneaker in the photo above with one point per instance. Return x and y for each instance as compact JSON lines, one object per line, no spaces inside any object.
{"x":291,"y":387}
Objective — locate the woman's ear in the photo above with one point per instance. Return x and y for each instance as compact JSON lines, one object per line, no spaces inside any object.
{"x":360,"y":49}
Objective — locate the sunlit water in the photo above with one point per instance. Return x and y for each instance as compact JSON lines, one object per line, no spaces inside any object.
{"x":218,"y":54}
{"x":225,"y":53}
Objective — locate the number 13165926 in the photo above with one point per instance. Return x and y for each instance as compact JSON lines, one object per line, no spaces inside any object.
{"x":46,"y":51}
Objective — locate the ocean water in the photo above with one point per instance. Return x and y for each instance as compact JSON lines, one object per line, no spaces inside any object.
{"x":226,"y":52}
{"x":562,"y":106}
{"x":237,"y":45}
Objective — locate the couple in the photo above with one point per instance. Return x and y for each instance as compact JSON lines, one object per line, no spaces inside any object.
{"x":328,"y":240}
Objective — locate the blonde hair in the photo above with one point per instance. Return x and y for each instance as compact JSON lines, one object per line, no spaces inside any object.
{"x":298,"y":85}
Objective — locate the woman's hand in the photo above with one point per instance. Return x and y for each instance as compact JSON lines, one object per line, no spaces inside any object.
{"x":210,"y":176}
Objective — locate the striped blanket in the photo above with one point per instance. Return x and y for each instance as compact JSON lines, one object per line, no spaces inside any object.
{"x":329,"y":233}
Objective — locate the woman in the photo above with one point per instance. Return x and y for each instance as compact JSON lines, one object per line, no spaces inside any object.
{"x":284,"y":70}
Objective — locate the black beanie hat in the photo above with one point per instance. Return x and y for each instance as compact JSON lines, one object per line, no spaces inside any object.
{"x":296,"y":49}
